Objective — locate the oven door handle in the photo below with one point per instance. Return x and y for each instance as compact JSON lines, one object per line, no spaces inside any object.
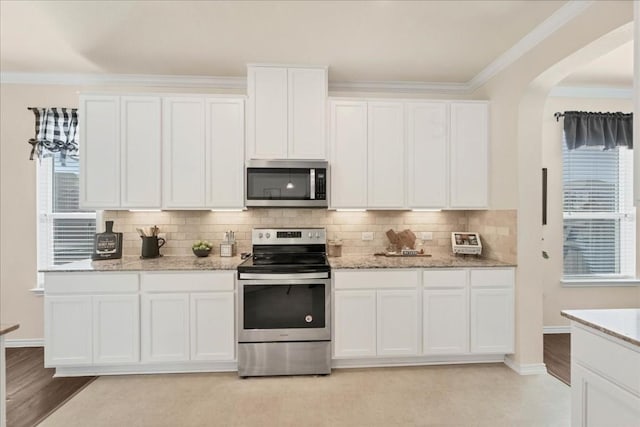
{"x":285,"y":276}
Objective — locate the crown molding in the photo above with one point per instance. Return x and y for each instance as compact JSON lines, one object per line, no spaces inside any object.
{"x":563,"y":15}
{"x":549,"y":26}
{"x":591,"y":92}
{"x":399,"y":86}
{"x":144,"y":80}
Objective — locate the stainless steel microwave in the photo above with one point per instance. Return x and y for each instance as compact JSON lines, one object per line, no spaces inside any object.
{"x":286,"y":183}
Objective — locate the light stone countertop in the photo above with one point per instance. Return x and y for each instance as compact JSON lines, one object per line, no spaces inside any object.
{"x":165,"y":263}
{"x":434,"y":261}
{"x":622,"y":323}
{"x":213,"y":262}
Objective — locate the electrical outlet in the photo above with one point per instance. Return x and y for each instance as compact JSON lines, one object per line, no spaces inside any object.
{"x":426,"y":235}
{"x":367,"y":235}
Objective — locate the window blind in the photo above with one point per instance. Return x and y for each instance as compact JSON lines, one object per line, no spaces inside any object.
{"x":65,"y":232}
{"x":599,"y":217}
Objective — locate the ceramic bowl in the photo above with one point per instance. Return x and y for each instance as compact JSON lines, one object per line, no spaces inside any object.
{"x":201,"y":252}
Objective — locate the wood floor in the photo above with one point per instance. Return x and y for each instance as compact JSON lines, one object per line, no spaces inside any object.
{"x":32,"y":392}
{"x":557,"y":356}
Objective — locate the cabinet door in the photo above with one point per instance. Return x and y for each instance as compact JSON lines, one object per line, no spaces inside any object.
{"x":427,"y":159}
{"x":596,"y":401}
{"x":183,"y":151}
{"x":469,"y":155}
{"x":225,"y":153}
{"x":165,"y":327}
{"x":116,"y":329}
{"x":267,"y":124}
{"x":307,"y":113}
{"x":397,"y":323}
{"x":99,"y":118}
{"x":140,"y":145}
{"x":386,"y":171}
{"x":212,"y":326}
{"x":445,"y":324}
{"x":348,"y":135}
{"x":67,"y":332}
{"x":355,"y":323}
{"x":492,"y":320}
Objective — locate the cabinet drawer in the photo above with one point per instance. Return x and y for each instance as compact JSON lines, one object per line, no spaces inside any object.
{"x":492,"y":277}
{"x":375,"y":279}
{"x":618,"y":364}
{"x":188,"y":281}
{"x":86,"y":283}
{"x":444,"y":278}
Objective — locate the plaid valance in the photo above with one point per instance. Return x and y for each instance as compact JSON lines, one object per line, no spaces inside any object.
{"x":56,"y":132}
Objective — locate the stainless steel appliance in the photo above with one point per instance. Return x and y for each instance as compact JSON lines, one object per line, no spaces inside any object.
{"x":284,"y":304}
{"x":291,"y":183}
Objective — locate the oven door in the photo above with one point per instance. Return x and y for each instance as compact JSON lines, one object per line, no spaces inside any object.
{"x":284,"y":310}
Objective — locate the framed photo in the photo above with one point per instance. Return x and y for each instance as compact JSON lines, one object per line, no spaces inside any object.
{"x":464,"y":242}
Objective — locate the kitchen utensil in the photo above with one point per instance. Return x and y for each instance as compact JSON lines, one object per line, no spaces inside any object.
{"x":141,"y":232}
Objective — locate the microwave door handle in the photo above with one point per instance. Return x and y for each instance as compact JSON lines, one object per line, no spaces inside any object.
{"x":312,"y":183}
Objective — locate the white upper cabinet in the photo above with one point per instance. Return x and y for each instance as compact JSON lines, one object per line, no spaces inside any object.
{"x":183,"y":149}
{"x":140,"y":152}
{"x":386,"y":154}
{"x":431,"y":154}
{"x":427,"y":145}
{"x":348,"y":141}
{"x":99,"y":118}
{"x":225,"y":152}
{"x":469,"y":155}
{"x":286,"y":113}
{"x":120,"y":151}
{"x":307,"y":113}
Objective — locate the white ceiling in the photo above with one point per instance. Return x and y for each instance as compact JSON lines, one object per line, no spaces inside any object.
{"x":412,"y":41}
{"x":614,"y":69}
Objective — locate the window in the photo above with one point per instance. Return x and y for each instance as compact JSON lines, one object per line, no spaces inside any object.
{"x":599,"y":217}
{"x":65,"y":232}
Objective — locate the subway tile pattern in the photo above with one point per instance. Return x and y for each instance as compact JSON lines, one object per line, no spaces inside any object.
{"x":182,"y":228}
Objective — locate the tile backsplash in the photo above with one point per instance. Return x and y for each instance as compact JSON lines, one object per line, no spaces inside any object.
{"x":181,"y":228}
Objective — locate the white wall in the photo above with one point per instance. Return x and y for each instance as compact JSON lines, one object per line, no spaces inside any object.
{"x":556,"y":297}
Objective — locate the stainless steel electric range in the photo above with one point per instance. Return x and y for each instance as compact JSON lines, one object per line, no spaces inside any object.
{"x":284,"y":304}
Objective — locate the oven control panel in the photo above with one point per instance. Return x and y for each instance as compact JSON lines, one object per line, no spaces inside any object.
{"x":288,"y":236}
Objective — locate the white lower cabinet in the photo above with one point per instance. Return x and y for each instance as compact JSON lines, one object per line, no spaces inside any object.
{"x":397,"y":322}
{"x":116,"y":329}
{"x":355,"y":323}
{"x":91,"y":319}
{"x":195,"y":324}
{"x":165,"y":327}
{"x":492,"y":311}
{"x":211,"y":326}
{"x":456,"y":312}
{"x":67,"y":330}
{"x":376,"y":313}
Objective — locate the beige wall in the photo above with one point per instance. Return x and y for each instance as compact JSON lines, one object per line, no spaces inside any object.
{"x":556,"y":297}
{"x":517,"y":95}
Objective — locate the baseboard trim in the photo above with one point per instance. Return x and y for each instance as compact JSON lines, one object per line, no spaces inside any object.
{"x":525,"y":369}
{"x":556,"y":329}
{"x":24,"y":342}
{"x":152,"y":368}
{"x":375,"y":362}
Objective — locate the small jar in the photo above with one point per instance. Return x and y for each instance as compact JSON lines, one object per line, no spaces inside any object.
{"x":334,"y":248}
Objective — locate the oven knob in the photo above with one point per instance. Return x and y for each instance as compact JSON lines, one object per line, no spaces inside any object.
{"x":310,"y":235}
{"x":268,"y":235}
{"x":259,"y":235}
{"x":317,"y":235}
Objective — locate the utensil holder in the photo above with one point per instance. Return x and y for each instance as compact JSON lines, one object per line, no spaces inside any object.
{"x":151,"y":246}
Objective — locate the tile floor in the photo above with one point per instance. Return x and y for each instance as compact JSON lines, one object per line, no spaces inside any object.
{"x":453,"y":395}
